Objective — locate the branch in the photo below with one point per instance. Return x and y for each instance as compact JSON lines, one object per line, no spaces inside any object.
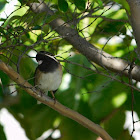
{"x":57,"y":106}
{"x":135,"y":20}
{"x":100,"y":57}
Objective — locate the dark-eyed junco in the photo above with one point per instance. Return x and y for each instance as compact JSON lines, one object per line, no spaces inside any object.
{"x":48,"y":74}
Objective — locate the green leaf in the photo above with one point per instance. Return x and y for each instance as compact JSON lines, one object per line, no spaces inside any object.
{"x":63,"y":5}
{"x":27,"y":67}
{"x":2,"y":30}
{"x":19,"y":29}
{"x":13,"y":18}
{"x":99,"y":2}
{"x":2,"y":134}
{"x":45,"y":28}
{"x":107,"y":98}
{"x":124,"y":4}
{"x":50,"y":18}
{"x":120,"y":117}
{"x":2,"y":4}
{"x":26,"y":1}
{"x":4,"y":81}
{"x":37,"y":27}
{"x":80,"y":4}
{"x":2,"y":19}
{"x":27,"y":35}
{"x":71,"y":130}
{"x":40,"y":37}
{"x":110,"y":28}
{"x":125,"y":135}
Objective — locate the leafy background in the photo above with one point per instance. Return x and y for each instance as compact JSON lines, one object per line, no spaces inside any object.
{"x":99,"y":98}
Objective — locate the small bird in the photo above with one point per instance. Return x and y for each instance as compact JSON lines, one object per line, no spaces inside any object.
{"x":48,"y":74}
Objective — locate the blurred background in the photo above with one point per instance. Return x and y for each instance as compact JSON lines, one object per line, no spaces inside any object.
{"x":86,"y":88}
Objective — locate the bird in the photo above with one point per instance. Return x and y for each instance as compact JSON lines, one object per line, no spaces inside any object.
{"x":48,"y":74}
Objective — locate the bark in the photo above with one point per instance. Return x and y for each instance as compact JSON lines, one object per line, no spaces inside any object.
{"x":135,"y":20}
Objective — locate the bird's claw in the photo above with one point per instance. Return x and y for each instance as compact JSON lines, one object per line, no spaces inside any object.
{"x":54,"y":100}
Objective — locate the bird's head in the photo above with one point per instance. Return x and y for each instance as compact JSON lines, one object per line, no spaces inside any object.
{"x":43,"y":56}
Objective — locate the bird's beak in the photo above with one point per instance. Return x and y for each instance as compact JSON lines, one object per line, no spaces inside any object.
{"x":40,"y":62}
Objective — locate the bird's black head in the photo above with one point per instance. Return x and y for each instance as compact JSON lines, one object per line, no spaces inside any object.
{"x":42,"y":55}
{"x":46,"y":61}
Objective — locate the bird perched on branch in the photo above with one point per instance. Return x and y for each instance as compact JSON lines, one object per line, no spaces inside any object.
{"x":48,"y":74}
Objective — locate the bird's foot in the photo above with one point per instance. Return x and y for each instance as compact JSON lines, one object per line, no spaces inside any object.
{"x":54,"y":100}
{"x":40,"y":93}
{"x":53,"y":97}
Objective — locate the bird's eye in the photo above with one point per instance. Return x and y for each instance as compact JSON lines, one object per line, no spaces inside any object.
{"x":40,"y":62}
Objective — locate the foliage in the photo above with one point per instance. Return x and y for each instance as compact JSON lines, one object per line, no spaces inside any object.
{"x":99,"y":98}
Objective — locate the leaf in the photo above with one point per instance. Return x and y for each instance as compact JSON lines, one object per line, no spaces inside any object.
{"x":27,"y":35}
{"x":2,"y":19}
{"x":136,"y":103}
{"x":2,"y":134}
{"x":19,"y":29}
{"x":104,"y":99}
{"x":99,"y":2}
{"x":27,"y":68}
{"x":125,"y":135}
{"x":37,"y":27}
{"x":26,"y":1}
{"x":4,"y":81}
{"x":2,"y":4}
{"x":2,"y":30}
{"x":80,"y":4}
{"x":73,"y":131}
{"x":63,"y":5}
{"x":110,"y":123}
{"x":50,"y":18}
{"x":110,"y":28}
{"x":45,"y":29}
{"x":40,"y":37}
{"x":12,"y":19}
{"x":124,"y":4}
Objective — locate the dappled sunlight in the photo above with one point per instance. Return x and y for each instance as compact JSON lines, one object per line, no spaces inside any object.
{"x":119,"y":99}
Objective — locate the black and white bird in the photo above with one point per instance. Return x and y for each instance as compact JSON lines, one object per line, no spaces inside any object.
{"x":48,"y":74}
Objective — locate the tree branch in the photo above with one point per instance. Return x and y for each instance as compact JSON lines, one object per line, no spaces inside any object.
{"x":49,"y":102}
{"x":90,"y":51}
{"x":135,"y":20}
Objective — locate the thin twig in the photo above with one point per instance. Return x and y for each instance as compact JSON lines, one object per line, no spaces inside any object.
{"x":132,"y":96}
{"x":97,"y":72}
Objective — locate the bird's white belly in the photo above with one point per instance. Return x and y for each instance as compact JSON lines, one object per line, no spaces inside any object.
{"x":50,"y":81}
